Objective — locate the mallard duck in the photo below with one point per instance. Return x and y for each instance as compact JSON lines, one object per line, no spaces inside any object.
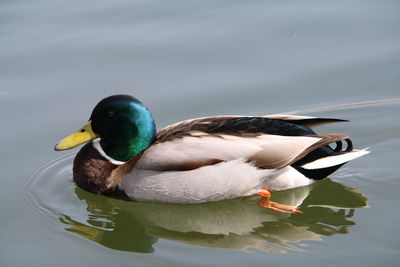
{"x":204,"y":159}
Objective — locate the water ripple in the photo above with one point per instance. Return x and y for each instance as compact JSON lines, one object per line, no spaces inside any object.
{"x":346,"y":106}
{"x":328,"y":207}
{"x":49,"y":186}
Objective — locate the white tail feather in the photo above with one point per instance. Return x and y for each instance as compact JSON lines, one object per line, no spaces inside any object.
{"x":335,"y":160}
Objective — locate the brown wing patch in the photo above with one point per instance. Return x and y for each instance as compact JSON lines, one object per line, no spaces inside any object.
{"x":326,"y":139}
{"x":191,"y":165}
{"x":285,"y":156}
{"x":181,"y":129}
{"x":276,"y":155}
{"x":245,"y":126}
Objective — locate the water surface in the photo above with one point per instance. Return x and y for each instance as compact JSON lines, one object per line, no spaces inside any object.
{"x":188,"y":59}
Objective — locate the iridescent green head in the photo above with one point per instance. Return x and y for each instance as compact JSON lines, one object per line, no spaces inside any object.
{"x":123,"y":124}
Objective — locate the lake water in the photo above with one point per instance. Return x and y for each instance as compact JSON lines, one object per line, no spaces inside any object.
{"x":188,"y":59}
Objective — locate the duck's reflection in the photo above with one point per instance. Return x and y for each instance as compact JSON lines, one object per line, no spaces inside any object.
{"x":233,"y":224}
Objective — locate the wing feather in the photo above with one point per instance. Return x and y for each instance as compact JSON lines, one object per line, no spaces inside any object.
{"x":267,"y":151}
{"x":222,"y":123}
{"x":271,"y":141}
{"x":305,"y":120}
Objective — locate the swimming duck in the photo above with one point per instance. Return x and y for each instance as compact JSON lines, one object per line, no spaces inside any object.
{"x":204,"y":159}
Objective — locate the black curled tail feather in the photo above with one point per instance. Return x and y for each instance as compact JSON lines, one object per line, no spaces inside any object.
{"x":322,"y":152}
{"x":339,"y":146}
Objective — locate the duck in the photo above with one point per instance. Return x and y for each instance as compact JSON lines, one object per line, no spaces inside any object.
{"x":203,"y":159}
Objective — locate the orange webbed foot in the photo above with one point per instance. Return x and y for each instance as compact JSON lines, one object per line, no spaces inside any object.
{"x":266,"y":203}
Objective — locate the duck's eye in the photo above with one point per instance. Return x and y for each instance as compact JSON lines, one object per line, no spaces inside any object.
{"x":110,"y":113}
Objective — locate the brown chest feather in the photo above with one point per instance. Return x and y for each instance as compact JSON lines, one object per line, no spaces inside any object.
{"x":93,"y":173}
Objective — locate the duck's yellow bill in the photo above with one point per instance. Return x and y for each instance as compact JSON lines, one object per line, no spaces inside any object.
{"x":83,"y":135}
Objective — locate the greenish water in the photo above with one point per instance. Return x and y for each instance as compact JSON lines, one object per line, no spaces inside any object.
{"x":188,"y":59}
